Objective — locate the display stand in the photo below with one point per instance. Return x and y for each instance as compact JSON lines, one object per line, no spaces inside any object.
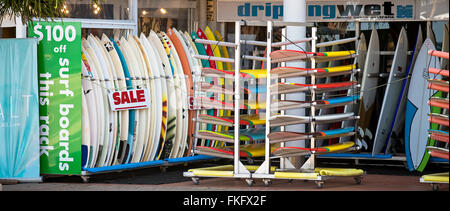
{"x":441,"y":136}
{"x":265,"y":171}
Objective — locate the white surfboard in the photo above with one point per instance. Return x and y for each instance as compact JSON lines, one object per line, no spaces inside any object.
{"x":105,"y":122}
{"x":109,"y":81}
{"x":417,"y":109}
{"x":85,"y":132}
{"x":99,"y":104}
{"x":122,"y":86}
{"x":171,"y":95}
{"x":150,"y":72}
{"x":149,"y":114}
{"x":161,"y":88}
{"x":116,"y":121}
{"x":180,"y":89}
{"x":368,"y":86}
{"x":91,"y":115}
{"x":392,"y":93}
{"x":140,"y":114}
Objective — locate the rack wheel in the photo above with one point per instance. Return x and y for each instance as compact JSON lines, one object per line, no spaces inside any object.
{"x":85,"y":179}
{"x":319,"y":184}
{"x":435,"y":187}
{"x":267,"y":182}
{"x":357,"y":180}
{"x":195,"y":180}
{"x":250,"y":182}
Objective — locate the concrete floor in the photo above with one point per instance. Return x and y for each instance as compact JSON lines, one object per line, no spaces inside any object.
{"x":172,"y":180}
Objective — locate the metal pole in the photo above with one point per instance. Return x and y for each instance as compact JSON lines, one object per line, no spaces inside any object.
{"x":268,"y":96}
{"x":237,"y":98}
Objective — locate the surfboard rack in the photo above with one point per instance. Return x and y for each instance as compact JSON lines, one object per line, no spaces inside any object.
{"x":265,"y":171}
{"x":163,"y":164}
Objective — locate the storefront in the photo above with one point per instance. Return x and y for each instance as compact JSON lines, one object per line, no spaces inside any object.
{"x":333,"y":20}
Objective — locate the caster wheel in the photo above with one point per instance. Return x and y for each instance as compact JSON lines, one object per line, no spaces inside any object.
{"x":250,"y":182}
{"x":267,"y":183}
{"x":357,"y":180}
{"x":435,"y":187}
{"x":196,"y":181}
{"x":319,"y":184}
{"x":85,"y":179}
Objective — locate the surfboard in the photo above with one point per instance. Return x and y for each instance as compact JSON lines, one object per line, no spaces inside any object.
{"x":108,"y":73}
{"x":159,"y":77}
{"x":283,"y":120}
{"x":208,"y":103}
{"x":224,"y":51}
{"x":89,"y":115}
{"x":440,"y":119}
{"x":285,"y":136}
{"x":439,"y":135}
{"x":439,"y":102}
{"x":288,"y":72}
{"x":131,"y":113}
{"x":318,"y":104}
{"x":286,"y":88}
{"x":179,"y":75}
{"x":85,"y":132}
{"x":208,"y":49}
{"x":291,"y":55}
{"x":141,"y":116}
{"x":294,"y":151}
{"x":187,"y":63}
{"x":114,"y":147}
{"x":438,"y":85}
{"x":251,"y":134}
{"x":177,"y":85}
{"x":416,"y":121}
{"x":399,"y":116}
{"x":124,"y":114}
{"x":391,"y":94}
{"x":245,"y":150}
{"x":136,"y":82}
{"x":438,"y":152}
{"x":368,"y":87}
{"x":149,"y":71}
{"x":245,"y":119}
{"x":229,"y":74}
{"x":171,"y":96}
{"x":100,"y":64}
{"x":98,"y":83}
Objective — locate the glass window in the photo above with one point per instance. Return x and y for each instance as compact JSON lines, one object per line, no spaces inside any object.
{"x":160,"y":15}
{"x":107,"y":9}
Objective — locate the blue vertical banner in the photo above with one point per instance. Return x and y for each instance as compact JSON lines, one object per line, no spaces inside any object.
{"x":19,"y":110}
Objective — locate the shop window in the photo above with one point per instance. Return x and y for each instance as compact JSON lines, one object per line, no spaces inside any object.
{"x":109,"y":9}
{"x":160,"y":15}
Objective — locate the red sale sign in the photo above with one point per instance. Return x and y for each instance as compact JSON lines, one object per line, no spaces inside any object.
{"x":129,"y":99}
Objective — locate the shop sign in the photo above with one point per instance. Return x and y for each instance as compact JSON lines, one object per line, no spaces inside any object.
{"x":257,"y":10}
{"x":129,"y":99}
{"x":362,"y":10}
{"x":59,"y":74}
{"x":335,"y":10}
